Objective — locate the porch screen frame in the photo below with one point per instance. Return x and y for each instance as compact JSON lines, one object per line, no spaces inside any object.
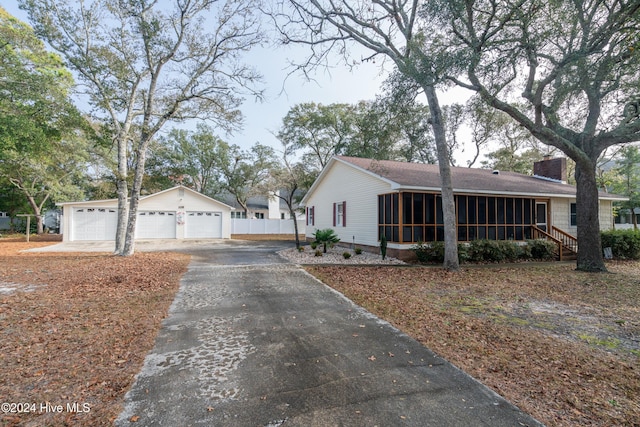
{"x":412,"y":217}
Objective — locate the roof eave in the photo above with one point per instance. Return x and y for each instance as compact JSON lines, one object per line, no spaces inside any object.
{"x":328,"y":166}
{"x":398,"y":187}
{"x":148,"y":196}
{"x":487,"y":192}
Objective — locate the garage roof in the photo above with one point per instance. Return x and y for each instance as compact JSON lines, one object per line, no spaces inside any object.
{"x":104,"y":202}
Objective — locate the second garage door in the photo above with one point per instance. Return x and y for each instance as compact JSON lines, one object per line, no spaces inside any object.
{"x":156,"y":225}
{"x":94,"y":224}
{"x":203,"y":225}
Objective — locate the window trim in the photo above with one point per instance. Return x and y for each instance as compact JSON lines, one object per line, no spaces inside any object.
{"x":340,"y":214}
{"x":311,"y":217}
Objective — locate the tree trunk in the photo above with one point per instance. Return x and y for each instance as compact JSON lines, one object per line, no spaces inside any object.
{"x":129,"y":238}
{"x":295,"y":224}
{"x":121,"y":227}
{"x":122,"y":191}
{"x":244,"y":207}
{"x":590,"y":256}
{"x":129,"y":241}
{"x":448,"y":201}
{"x":36,"y":210}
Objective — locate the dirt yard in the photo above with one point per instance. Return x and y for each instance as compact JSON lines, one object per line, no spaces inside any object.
{"x":76,"y":329}
{"x":562,"y":345}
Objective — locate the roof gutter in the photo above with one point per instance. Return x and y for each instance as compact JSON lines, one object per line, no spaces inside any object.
{"x":613,"y":197}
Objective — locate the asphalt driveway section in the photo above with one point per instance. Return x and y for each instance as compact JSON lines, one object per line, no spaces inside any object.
{"x":235,"y":252}
{"x":252,"y":340}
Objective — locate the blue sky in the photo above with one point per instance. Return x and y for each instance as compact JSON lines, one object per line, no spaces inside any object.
{"x":282,"y":93}
{"x":338,"y":85}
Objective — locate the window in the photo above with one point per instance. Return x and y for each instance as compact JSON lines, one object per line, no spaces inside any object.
{"x":259,"y":215}
{"x":340,"y":214}
{"x":311,"y":215}
{"x":281,"y":215}
{"x":239,"y":215}
{"x":574,"y":215}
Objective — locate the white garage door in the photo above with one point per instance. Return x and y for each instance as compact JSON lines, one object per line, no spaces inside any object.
{"x":203,"y":225}
{"x":156,"y":225}
{"x":94,"y":224}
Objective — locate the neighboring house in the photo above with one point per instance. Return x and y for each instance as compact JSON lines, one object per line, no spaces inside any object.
{"x":362,"y":199}
{"x":176,"y":213}
{"x":52,"y":220}
{"x":624,"y":219}
{"x":5,"y":221}
{"x":260,"y":207}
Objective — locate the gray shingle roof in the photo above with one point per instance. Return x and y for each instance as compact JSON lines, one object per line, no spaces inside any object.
{"x":465,"y":180}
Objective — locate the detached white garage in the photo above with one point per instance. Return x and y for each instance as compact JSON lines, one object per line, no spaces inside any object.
{"x":176,"y":213}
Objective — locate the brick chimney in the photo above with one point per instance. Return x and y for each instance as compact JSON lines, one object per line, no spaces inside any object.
{"x":555,"y":169}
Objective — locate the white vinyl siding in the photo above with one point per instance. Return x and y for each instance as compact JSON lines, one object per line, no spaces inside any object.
{"x":561,"y":213}
{"x":606,"y":215}
{"x":360,"y":190}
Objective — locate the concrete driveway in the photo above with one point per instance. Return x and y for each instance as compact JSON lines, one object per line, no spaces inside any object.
{"x":153,"y":245}
{"x":252,"y":340}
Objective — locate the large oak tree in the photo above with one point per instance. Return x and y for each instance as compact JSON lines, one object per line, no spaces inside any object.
{"x":567,"y":71}
{"x":145,"y":63}
{"x":394,"y":30}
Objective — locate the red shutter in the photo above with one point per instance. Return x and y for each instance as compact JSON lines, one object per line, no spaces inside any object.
{"x":313,"y":215}
{"x":344,"y":213}
{"x":334,"y":214}
{"x":307,"y":215}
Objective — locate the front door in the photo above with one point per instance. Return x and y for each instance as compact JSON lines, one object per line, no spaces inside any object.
{"x":541,"y":215}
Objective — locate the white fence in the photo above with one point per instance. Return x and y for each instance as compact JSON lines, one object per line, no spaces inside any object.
{"x":265,"y":226}
{"x":624,"y":226}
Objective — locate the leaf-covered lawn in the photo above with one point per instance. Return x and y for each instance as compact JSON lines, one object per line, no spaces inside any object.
{"x":562,"y":345}
{"x":78,"y":331}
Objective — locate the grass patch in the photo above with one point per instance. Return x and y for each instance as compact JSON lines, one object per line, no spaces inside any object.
{"x":608,"y":343}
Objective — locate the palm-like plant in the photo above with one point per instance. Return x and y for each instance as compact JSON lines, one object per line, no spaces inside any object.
{"x":326,"y":237}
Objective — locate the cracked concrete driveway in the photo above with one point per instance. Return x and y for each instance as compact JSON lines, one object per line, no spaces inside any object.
{"x":252,"y":340}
